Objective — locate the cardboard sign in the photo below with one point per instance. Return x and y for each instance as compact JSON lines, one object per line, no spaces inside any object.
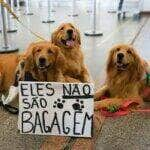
{"x":50,"y":108}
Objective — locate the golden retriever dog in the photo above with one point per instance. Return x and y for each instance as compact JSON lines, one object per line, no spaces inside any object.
{"x":45,"y":62}
{"x":67,"y":37}
{"x":125,"y":77}
{"x":42,"y":61}
{"x":8,"y":64}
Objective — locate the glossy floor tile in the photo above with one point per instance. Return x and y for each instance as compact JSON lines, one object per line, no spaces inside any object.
{"x":95,"y":50}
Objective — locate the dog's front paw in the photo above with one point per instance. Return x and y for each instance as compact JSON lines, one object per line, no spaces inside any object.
{"x":101,"y":104}
{"x":13,"y":92}
{"x":107,"y":103}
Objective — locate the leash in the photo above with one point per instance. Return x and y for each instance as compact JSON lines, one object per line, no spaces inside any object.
{"x":4,"y":4}
{"x":10,"y":109}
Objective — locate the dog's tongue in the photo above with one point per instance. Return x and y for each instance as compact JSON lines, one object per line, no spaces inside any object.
{"x":69,"y":42}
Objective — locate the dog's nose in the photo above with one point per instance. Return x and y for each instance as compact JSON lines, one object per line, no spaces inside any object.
{"x":42,"y":60}
{"x":70,"y":31}
{"x":120,"y":56}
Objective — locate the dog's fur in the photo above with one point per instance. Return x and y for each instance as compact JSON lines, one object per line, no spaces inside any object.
{"x":32,"y":68}
{"x":66,"y":62}
{"x":8,"y":64}
{"x":54,"y":62}
{"x":69,"y":43}
{"x":124,"y":80}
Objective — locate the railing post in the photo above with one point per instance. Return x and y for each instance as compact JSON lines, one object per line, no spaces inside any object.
{"x":48,"y":19}
{"x":5,"y":48}
{"x":28,"y":11}
{"x":94,"y":31}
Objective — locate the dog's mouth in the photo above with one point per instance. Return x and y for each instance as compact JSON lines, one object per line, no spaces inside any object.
{"x":121,"y":66}
{"x":44,"y":67}
{"x":68,"y":42}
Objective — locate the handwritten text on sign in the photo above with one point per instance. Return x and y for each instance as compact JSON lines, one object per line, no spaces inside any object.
{"x":49,"y":108}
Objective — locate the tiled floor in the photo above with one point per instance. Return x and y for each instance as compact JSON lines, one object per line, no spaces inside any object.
{"x":95,"y":50}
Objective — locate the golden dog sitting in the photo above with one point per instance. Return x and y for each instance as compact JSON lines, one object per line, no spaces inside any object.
{"x":59,"y":61}
{"x":67,"y":37}
{"x":125,"y":72}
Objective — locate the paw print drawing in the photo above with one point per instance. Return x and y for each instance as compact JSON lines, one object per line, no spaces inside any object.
{"x":78,"y":105}
{"x":59,"y":104}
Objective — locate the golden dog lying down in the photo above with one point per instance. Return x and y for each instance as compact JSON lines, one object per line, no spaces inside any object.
{"x":67,"y":37}
{"x":125,"y":77}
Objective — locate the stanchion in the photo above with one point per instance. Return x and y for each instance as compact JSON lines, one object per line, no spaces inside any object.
{"x":11,"y":3}
{"x":18,"y":5}
{"x":52,"y":7}
{"x":10,"y":21}
{"x":89,"y":9}
{"x":48,"y":19}
{"x":5,"y":48}
{"x":0,"y":21}
{"x":28,"y":11}
{"x":74,"y":13}
{"x":94,"y":31}
{"x":113,"y":9}
{"x":0,"y":25}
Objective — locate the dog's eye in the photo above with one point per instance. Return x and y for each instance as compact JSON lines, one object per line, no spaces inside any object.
{"x":38,"y":50}
{"x":50,"y":52}
{"x":62,"y":28}
{"x":129,"y":52}
{"x":118,"y":49}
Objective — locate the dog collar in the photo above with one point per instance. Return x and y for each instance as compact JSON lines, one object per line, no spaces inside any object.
{"x":148,"y":79}
{"x":147,"y":74}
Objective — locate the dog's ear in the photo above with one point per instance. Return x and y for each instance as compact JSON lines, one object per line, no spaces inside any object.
{"x":22,"y":61}
{"x":59,"y":57}
{"x":78,"y":36}
{"x":20,"y":70}
{"x":29,"y":54}
{"x":110,"y":60}
{"x":139,"y":65}
{"x":54,"y":34}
